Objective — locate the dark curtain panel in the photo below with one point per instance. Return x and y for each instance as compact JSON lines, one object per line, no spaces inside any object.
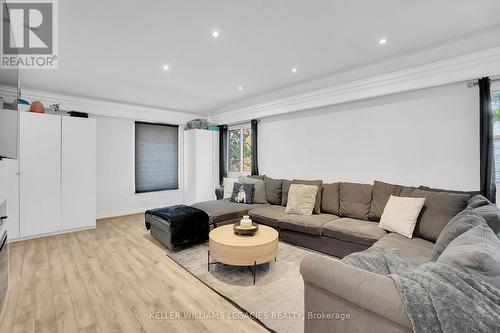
{"x":255,"y":160}
{"x":222,"y":152}
{"x":487,"y":163}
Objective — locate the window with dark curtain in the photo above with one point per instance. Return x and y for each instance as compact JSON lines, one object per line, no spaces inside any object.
{"x":156,"y":157}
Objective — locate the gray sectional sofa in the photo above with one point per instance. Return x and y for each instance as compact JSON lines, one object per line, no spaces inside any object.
{"x":344,"y":222}
{"x":346,"y":217}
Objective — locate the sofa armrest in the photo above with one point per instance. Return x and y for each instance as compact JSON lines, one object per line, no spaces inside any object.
{"x":219,"y":193}
{"x":371,"y":295}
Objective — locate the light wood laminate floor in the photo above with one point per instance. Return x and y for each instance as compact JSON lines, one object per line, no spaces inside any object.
{"x":109,"y":279}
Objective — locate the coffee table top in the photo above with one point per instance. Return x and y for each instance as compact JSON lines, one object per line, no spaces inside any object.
{"x":226,"y":236}
{"x":228,"y":248}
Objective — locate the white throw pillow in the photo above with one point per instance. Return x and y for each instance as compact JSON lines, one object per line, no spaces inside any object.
{"x":228,"y":184}
{"x":400,"y":215}
{"x":301,"y":199}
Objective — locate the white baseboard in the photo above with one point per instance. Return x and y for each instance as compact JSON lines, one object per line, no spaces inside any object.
{"x":60,"y":232}
{"x":121,"y":213}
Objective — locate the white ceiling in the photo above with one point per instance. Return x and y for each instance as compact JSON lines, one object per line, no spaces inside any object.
{"x":114,"y":50}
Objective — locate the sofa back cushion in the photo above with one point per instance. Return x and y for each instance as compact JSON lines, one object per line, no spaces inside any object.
{"x":381,"y":194}
{"x":475,"y":252}
{"x":330,"y":198}
{"x":461,"y":223}
{"x":355,"y":200}
{"x":491,"y":215}
{"x":432,"y":189}
{"x":284,"y":192}
{"x":477,"y":201}
{"x":274,"y":187}
{"x":439,"y":209}
{"x":318,"y":183}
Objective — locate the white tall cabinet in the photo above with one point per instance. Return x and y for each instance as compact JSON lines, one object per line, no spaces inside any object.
{"x":57,"y":174}
{"x":78,"y":173}
{"x":201,"y":151}
{"x":39,"y":174}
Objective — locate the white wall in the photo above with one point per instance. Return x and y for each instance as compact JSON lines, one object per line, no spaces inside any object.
{"x":428,"y":137}
{"x":115,"y":171}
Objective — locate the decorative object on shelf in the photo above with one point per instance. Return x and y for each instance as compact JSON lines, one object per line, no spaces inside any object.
{"x":197,"y":124}
{"x":78,"y":114}
{"x":37,"y":107}
{"x":245,"y":226}
{"x":53,"y":108}
{"x":23,"y":105}
{"x":1,"y":102}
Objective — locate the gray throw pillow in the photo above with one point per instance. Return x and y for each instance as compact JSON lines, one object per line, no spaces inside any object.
{"x":242,"y":193}
{"x":274,"y":188}
{"x":318,"y":183}
{"x":439,"y":209}
{"x":381,"y":194}
{"x":491,"y":215}
{"x":461,"y":223}
{"x":259,"y":191}
{"x":284,"y":192}
{"x":476,"y":253}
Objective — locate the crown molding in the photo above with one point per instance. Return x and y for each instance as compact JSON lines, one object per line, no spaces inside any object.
{"x":101,"y":107}
{"x":452,"y":70}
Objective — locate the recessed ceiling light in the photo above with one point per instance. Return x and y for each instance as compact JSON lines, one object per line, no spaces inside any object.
{"x":294,"y":69}
{"x":215,"y":34}
{"x":240,"y":88}
{"x":382,"y":41}
{"x":165,"y":67}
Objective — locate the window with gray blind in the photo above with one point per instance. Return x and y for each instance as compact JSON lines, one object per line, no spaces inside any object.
{"x":156,"y":157}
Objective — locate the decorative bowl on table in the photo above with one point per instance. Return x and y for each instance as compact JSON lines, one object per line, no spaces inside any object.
{"x":245,"y":227}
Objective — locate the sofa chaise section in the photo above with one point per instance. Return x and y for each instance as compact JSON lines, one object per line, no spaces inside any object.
{"x":355,"y":231}
{"x":371,"y":301}
{"x":417,"y":250}
{"x":221,"y":212}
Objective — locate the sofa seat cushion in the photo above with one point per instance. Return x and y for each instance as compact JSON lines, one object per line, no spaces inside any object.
{"x":269,"y":215}
{"x":354,"y":231}
{"x":310,"y":224}
{"x":417,"y":250}
{"x":223,"y":210}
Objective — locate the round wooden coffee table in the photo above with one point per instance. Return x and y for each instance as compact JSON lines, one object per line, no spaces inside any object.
{"x":228,"y":248}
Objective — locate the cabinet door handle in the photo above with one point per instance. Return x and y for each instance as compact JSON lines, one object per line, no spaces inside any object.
{"x":3,"y":218}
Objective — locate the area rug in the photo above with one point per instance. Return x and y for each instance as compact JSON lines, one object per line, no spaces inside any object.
{"x":276,"y":299}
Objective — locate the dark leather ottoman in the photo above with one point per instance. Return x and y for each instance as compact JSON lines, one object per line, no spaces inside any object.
{"x":178,"y":226}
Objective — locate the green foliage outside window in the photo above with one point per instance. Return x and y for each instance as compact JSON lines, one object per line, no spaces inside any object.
{"x":240,"y":150}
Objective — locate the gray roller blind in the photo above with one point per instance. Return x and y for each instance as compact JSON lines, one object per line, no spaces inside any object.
{"x":156,"y":157}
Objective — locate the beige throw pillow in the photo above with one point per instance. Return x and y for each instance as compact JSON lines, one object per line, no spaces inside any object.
{"x":400,"y":215}
{"x":301,"y":199}
{"x":259,"y":190}
{"x":228,"y":184}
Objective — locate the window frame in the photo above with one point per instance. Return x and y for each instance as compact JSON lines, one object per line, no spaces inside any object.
{"x":241,"y":127}
{"x":134,"y":173}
